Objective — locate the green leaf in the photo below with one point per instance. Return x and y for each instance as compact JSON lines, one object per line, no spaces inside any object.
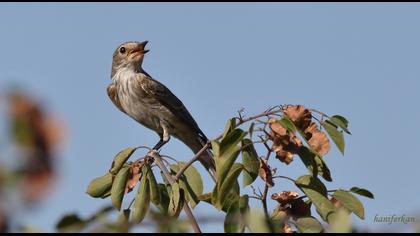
{"x":70,"y":223}
{"x":190,"y":182}
{"x":73,"y":223}
{"x":100,"y":186}
{"x":232,"y":198}
{"x":206,"y":197}
{"x":363,"y":192}
{"x":122,"y":222}
{"x":124,"y":216}
{"x":100,"y":214}
{"x":323,"y":169}
{"x":340,"y":222}
{"x":308,"y":225}
{"x":341,"y":122}
{"x":142,"y":202}
{"x":335,"y":135}
{"x":120,"y":159}
{"x":350,"y":202}
{"x":164,"y":199}
{"x":154,"y":191}
{"x":288,"y":124}
{"x":250,"y":161}
{"x":317,"y":193}
{"x":230,"y":125}
{"x":227,"y":185}
{"x":244,"y":202}
{"x":215,"y":146}
{"x":251,"y":129}
{"x":236,"y":217}
{"x":224,"y":164}
{"x":226,"y":153}
{"x":310,"y":160}
{"x":176,"y":200}
{"x":231,"y":140}
{"x":258,"y":222}
{"x":232,"y":223}
{"x":106,"y":194}
{"x":118,"y":187}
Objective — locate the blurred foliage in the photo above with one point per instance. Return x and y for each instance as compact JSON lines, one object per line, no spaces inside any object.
{"x":36,"y":136}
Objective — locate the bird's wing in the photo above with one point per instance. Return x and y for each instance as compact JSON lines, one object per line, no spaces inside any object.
{"x":113,"y":95}
{"x":160,"y":92}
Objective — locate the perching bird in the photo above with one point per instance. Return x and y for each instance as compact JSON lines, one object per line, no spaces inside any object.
{"x":151,"y":103}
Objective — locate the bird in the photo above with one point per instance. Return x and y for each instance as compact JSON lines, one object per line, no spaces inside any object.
{"x":149,"y":102}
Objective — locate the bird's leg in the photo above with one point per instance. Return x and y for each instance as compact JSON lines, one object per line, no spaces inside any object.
{"x":164,"y":138}
{"x":159,"y":144}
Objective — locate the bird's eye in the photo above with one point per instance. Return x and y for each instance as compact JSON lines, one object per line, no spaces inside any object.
{"x":122,"y":49}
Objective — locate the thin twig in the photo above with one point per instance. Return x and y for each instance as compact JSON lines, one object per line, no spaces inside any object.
{"x":283,"y":177}
{"x":194,"y":159}
{"x":169,"y":157}
{"x":319,"y":112}
{"x":255,"y":192}
{"x":171,"y":180}
{"x":242,"y":121}
{"x":255,"y":197}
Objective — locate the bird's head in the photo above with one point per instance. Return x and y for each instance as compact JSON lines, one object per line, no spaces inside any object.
{"x":129,"y":55}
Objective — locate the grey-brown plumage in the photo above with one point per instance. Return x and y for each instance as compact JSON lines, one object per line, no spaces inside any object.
{"x":151,"y":103}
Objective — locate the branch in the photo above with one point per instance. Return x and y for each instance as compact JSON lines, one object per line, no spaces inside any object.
{"x":319,"y":112}
{"x":194,"y":159}
{"x":266,"y":113}
{"x":283,"y":177}
{"x":171,"y":180}
{"x":264,"y":200}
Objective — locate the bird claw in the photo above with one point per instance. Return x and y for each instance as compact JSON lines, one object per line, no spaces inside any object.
{"x":152,"y":154}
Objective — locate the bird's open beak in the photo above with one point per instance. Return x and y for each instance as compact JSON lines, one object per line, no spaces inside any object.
{"x":140,"y":49}
{"x":143,"y":44}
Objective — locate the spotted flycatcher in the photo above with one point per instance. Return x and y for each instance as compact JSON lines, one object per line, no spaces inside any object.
{"x":151,"y":103}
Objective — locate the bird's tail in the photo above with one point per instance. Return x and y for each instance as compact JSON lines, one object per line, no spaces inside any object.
{"x":207,"y":158}
{"x":196,"y":143}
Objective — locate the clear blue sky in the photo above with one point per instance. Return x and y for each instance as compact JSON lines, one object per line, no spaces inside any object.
{"x":357,"y":60}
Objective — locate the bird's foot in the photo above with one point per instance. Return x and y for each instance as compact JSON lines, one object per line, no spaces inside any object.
{"x":152,"y":154}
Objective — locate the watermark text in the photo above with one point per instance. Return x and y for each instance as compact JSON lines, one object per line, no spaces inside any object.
{"x":394,"y":219}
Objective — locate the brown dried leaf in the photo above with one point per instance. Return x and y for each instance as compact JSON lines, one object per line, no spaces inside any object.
{"x":284,"y":156}
{"x":317,"y":139}
{"x":134,"y":177}
{"x":55,"y":132}
{"x":285,"y":147}
{"x":291,"y":204}
{"x":299,"y":115}
{"x":277,"y":128}
{"x":320,"y":143}
{"x":284,"y":197}
{"x":19,"y":104}
{"x":299,"y":208}
{"x":37,"y":185}
{"x":312,"y":128}
{"x":265,"y":173}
